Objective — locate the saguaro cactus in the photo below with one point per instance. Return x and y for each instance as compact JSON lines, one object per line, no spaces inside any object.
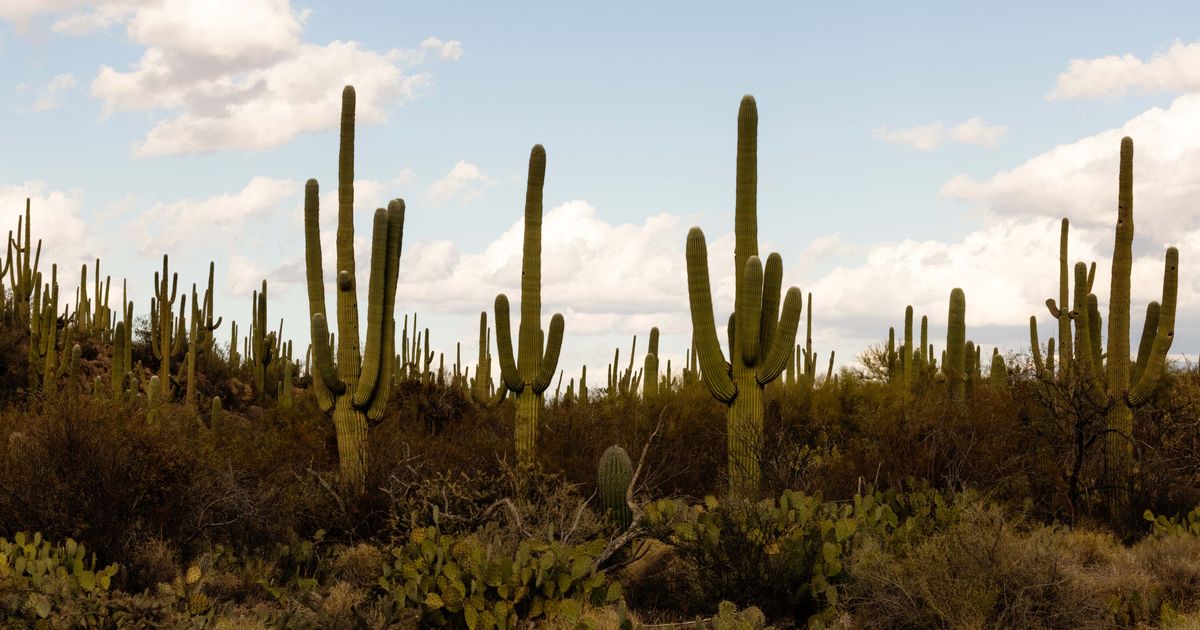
{"x":529,"y":374}
{"x":22,"y":274}
{"x":356,"y":389}
{"x":760,"y":341}
{"x":954,"y":363}
{"x":1114,"y":384}
{"x":614,"y":475}
{"x":650,"y":369}
{"x":165,"y":341}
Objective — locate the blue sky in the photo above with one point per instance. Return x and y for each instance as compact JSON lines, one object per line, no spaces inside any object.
{"x":902,"y":152}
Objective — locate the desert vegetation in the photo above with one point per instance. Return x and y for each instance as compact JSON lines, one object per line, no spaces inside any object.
{"x":153,"y":477}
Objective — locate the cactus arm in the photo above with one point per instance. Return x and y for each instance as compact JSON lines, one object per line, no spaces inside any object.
{"x":550,"y":361}
{"x":323,"y":358}
{"x":378,"y":406}
{"x":713,"y":367}
{"x":1038,"y":367}
{"x":749,"y":305}
{"x":785,"y":338}
{"x":772,"y":292}
{"x":316,"y":289}
{"x":1091,"y":276}
{"x":1156,"y":362}
{"x":372,"y":358}
{"x":1093,"y":386}
{"x":1149,"y":330}
{"x":508,"y":365}
{"x":1095,"y":321}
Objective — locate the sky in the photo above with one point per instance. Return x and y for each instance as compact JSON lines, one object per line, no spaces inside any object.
{"x":902,"y":153}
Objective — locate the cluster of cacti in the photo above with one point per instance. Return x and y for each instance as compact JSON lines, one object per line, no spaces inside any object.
{"x":166,"y":339}
{"x":623,"y":383}
{"x":23,"y":275}
{"x":414,"y":361}
{"x":352,"y":378}
{"x":801,"y":368}
{"x":1109,"y":379}
{"x":528,"y":373}
{"x":760,"y":341}
{"x":264,"y":346}
{"x":356,"y":387}
{"x":93,"y":318}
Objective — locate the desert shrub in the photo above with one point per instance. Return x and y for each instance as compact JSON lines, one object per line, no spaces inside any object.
{"x":784,"y":555}
{"x":460,"y":581}
{"x":39,"y":579}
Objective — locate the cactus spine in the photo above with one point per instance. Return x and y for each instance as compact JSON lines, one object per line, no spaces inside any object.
{"x":356,"y":389}
{"x":530,"y":373}
{"x":613,"y":478}
{"x":761,"y":342}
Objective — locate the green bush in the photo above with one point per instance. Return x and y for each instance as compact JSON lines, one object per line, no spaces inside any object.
{"x":459,"y":581}
{"x":39,"y":578}
{"x":784,"y":555}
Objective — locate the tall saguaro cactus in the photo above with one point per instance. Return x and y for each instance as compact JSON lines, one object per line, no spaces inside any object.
{"x":165,"y":340}
{"x":22,"y":274}
{"x":954,"y":365}
{"x":1115,"y":384}
{"x":530,"y":373}
{"x":356,"y":388}
{"x":760,"y":341}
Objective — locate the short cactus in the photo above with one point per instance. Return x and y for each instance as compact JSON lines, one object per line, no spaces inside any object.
{"x":613,"y":478}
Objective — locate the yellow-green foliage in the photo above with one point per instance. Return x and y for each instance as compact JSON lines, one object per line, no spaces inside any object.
{"x":36,"y":576}
{"x":460,"y":581}
{"x":786,"y":555}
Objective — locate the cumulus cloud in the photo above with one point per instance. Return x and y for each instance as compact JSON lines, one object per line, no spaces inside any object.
{"x":463,"y":183}
{"x":973,"y":131}
{"x":588,"y":266}
{"x":1175,"y":70}
{"x":923,"y":137}
{"x":246,"y":83}
{"x":56,"y":218}
{"x":166,"y":227}
{"x":48,"y":96}
{"x":1079,"y":179}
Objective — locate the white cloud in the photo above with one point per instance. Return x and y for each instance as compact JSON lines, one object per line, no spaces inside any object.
{"x":48,"y":96}
{"x":245,"y":83}
{"x":924,"y":137}
{"x":975,"y":131}
{"x":1176,"y":70}
{"x":166,"y":227}
{"x":463,"y":183}
{"x":1079,"y":180}
{"x":66,"y":238}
